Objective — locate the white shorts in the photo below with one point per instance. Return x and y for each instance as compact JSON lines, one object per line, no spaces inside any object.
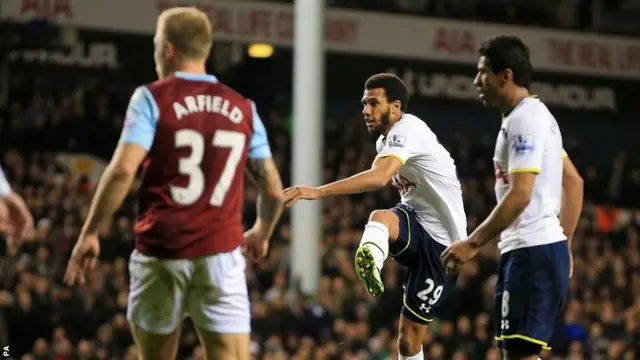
{"x":212,"y":290}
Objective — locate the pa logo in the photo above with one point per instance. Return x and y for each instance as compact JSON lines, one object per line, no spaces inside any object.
{"x":5,"y":351}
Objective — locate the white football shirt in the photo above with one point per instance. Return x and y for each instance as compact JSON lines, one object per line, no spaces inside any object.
{"x":427,"y":180}
{"x":530,"y":141}
{"x":5,"y":188}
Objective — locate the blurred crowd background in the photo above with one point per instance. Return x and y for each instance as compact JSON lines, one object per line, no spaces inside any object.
{"x":49,"y":112}
{"x":615,"y":16}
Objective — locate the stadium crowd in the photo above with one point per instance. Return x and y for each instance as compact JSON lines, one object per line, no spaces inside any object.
{"x":612,"y":16}
{"x":41,"y":319}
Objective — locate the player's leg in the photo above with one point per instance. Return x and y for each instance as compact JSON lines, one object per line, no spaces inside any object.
{"x":374,"y":249}
{"x":427,"y":285}
{"x":426,"y":289}
{"x":512,"y":296}
{"x":512,"y":355}
{"x":534,"y":287}
{"x":155,"y":305}
{"x":224,"y":346}
{"x":218,"y":302}
{"x":410,"y":338}
{"x":522,"y":353}
{"x":155,"y":346}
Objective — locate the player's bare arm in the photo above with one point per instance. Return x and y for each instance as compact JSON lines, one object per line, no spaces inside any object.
{"x":572,"y":198}
{"x":114,"y":185}
{"x":110,"y":192}
{"x":19,"y":215}
{"x":377,"y":177}
{"x":265,"y":175}
{"x":504,"y":214}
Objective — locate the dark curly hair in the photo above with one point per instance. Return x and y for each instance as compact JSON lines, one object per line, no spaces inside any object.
{"x":393,"y":87}
{"x":508,"y":52}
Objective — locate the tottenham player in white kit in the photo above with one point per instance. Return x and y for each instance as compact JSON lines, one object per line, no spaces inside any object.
{"x":415,"y":232}
{"x":539,"y":194}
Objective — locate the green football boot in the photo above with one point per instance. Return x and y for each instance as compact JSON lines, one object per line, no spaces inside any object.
{"x":368,"y":272}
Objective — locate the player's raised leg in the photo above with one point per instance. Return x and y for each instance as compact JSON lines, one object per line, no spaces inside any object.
{"x":374,"y":249}
{"x":382,"y":230}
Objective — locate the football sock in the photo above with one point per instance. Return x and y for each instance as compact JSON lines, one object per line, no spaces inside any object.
{"x":418,"y":356}
{"x":376,"y":238}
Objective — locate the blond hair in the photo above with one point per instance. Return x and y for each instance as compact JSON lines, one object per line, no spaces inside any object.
{"x":189,"y":30}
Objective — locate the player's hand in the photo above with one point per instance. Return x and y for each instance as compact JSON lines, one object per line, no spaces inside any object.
{"x":21,"y":224}
{"x":295,"y":193}
{"x":458,"y":253}
{"x":84,"y":257}
{"x":256,"y":245}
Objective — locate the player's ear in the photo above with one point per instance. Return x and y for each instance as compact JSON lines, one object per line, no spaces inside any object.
{"x":396,"y":106}
{"x":169,"y":50}
{"x":506,"y":75}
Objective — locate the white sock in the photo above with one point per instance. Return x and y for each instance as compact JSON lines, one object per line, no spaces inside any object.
{"x":376,"y":238}
{"x":418,"y":356}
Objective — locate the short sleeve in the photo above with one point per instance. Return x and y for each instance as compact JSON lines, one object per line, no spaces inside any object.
{"x":141,"y":119}
{"x":526,"y":144}
{"x":400,"y":142}
{"x":259,"y":145}
{"x":5,"y":187}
